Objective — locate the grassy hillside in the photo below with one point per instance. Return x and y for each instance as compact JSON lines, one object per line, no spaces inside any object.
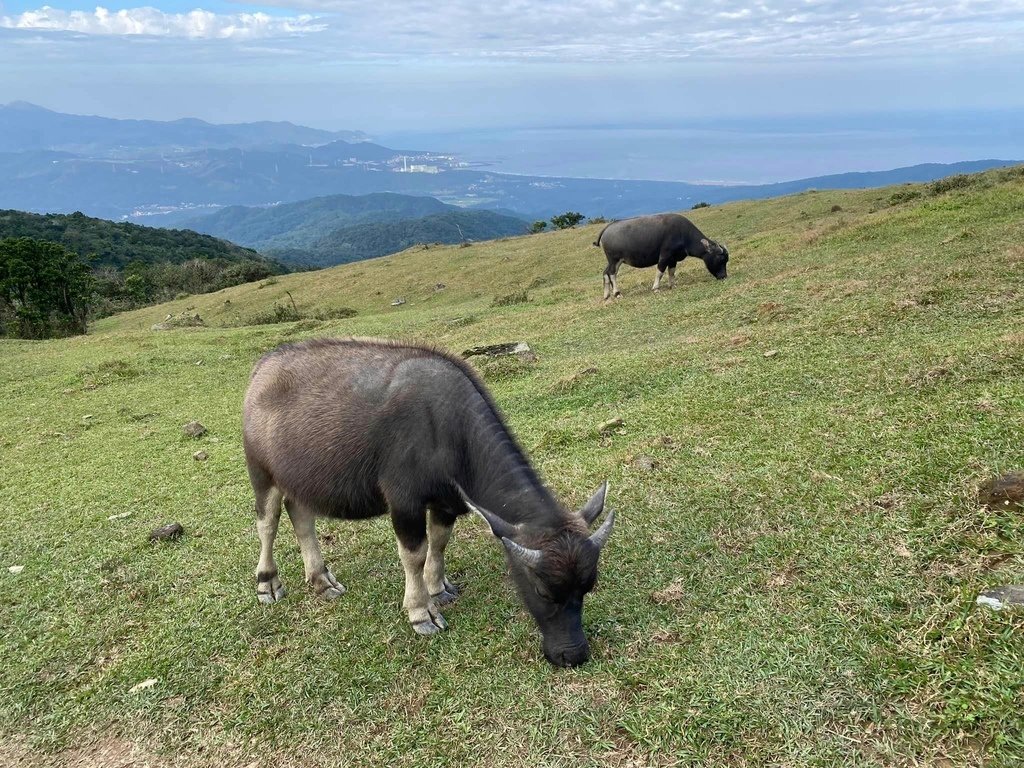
{"x":798,"y":547}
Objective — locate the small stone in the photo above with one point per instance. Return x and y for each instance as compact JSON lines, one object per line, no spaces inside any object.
{"x":194,"y":429}
{"x":520,"y":348}
{"x":1002,"y":597}
{"x":398,"y":302}
{"x":440,"y":287}
{"x":168,"y":532}
{"x":200,"y":455}
{"x":119,"y":516}
{"x":771,"y":353}
{"x":148,"y":683}
{"x":16,"y":569}
{"x":644,"y":463}
{"x":609,"y":425}
{"x":1005,"y":492}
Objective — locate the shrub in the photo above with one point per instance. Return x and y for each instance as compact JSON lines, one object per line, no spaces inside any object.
{"x":281,"y":313}
{"x":538,"y":226}
{"x":567,"y":220}
{"x":903,"y":196}
{"x":338,"y":313}
{"x":45,"y":289}
{"x":701,"y":204}
{"x":948,"y":184}
{"x":519,"y":297}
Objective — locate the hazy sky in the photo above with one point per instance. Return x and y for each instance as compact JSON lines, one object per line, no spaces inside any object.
{"x":395,"y":65}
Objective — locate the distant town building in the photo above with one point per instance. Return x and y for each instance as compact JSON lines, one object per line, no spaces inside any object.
{"x":408,"y":167}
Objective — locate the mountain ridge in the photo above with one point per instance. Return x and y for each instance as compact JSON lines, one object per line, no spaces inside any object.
{"x":26,"y":126}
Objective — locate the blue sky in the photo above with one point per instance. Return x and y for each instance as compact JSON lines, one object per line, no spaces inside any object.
{"x":400,"y":65}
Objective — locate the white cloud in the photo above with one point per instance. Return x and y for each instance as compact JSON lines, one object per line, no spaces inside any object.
{"x":625,"y":30}
{"x":197,"y":24}
{"x":601,"y":31}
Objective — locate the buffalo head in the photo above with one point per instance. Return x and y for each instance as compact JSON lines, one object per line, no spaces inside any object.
{"x":715,"y":256}
{"x":553,"y":570}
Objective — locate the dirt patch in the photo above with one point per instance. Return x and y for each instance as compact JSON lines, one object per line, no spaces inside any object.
{"x":928,"y":377}
{"x":666,"y":637}
{"x":812,"y":236}
{"x":105,"y":753}
{"x":569,"y":382}
{"x":674,"y":594}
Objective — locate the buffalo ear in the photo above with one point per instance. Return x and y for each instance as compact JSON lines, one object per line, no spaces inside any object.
{"x":595,"y":506}
{"x":498,"y":527}
{"x":705,"y":243}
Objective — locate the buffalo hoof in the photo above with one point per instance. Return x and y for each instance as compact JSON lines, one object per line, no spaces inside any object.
{"x":271,"y":591}
{"x":328,"y":587}
{"x":447,"y":595}
{"x":435,"y":624}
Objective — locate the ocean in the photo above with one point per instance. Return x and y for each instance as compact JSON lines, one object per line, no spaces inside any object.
{"x":733,"y":152}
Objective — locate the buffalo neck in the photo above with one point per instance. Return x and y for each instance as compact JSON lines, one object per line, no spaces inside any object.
{"x":498,"y":475}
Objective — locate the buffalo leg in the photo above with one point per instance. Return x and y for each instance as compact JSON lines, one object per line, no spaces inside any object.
{"x":611,"y":286}
{"x":672,"y":277}
{"x":411,"y":532}
{"x":268,"y":515}
{"x":440,"y":523}
{"x":318,"y":575}
{"x":663,"y":264}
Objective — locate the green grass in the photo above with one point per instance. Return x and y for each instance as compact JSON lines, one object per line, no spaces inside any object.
{"x":792,"y":583}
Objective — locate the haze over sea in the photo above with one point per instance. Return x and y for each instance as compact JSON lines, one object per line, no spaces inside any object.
{"x":734,"y":151}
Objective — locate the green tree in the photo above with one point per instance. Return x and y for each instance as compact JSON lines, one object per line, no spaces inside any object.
{"x":567,"y":220}
{"x":538,"y":226}
{"x":45,"y":289}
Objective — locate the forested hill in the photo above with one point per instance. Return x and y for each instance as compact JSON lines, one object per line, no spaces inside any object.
{"x":336,"y":229}
{"x":366,"y":241}
{"x":297,"y":225}
{"x":117,"y":244}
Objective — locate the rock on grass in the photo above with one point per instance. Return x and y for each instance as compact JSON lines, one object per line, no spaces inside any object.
{"x":194,"y":429}
{"x":168,"y":532}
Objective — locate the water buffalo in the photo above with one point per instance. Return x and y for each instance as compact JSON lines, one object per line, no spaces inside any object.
{"x":664,"y":239}
{"x":356,"y":428}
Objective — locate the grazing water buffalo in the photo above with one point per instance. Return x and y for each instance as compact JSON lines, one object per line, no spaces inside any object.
{"x":664,"y":239}
{"x":356,"y":428}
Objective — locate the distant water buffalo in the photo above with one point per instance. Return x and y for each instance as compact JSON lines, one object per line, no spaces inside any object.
{"x":357,"y":428}
{"x":664,"y":239}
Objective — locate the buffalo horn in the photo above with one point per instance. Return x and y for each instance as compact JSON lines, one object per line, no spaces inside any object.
{"x":498,"y":526}
{"x":600,"y":536}
{"x":526,"y":556}
{"x":595,"y":505}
